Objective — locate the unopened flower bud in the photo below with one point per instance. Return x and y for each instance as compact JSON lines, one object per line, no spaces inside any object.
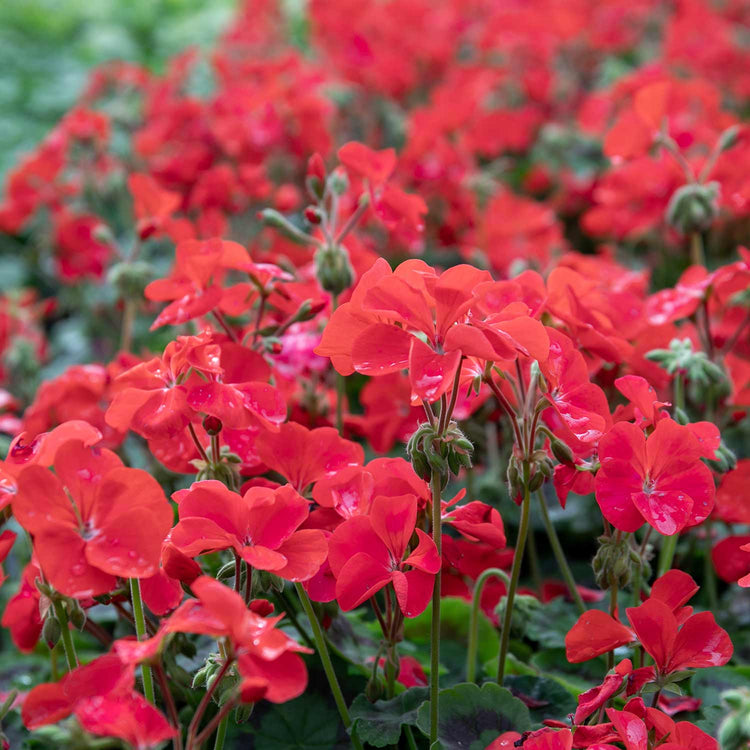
{"x":562,"y":452}
{"x":77,"y":616}
{"x":612,"y":564}
{"x":130,"y":278}
{"x":212,"y":425}
{"x":375,"y":689}
{"x":693,"y":207}
{"x":313,"y":215}
{"x":333,"y":269}
{"x":51,"y":631}
{"x":338,"y":181}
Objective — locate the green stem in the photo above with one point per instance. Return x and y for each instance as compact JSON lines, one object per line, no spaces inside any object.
{"x":325,"y":659}
{"x":612,"y":613}
{"x":562,"y":562}
{"x":709,"y":573}
{"x":67,"y":638}
{"x":221,"y":733}
{"x":666,"y":554}
{"x":471,"y":656}
{"x":410,"y":737}
{"x":140,"y":630}
{"x":437,"y":537}
{"x":391,"y":660}
{"x":697,"y":256}
{"x":637,"y":575}
{"x":679,"y":391}
{"x":515,"y":574}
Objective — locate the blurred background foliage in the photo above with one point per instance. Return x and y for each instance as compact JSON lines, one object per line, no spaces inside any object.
{"x":48,"y":47}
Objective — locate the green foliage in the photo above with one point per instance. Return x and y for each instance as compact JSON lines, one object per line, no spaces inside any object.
{"x":47,"y":48}
{"x":471,"y":717}
{"x":379,"y":723}
{"x":306,"y":723}
{"x":545,"y":698}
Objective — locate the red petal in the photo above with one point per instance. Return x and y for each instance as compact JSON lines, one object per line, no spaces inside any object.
{"x":594,"y":634}
{"x":393,"y":520}
{"x":431,"y":374}
{"x":700,"y":643}
{"x":360,"y":578}
{"x":305,"y":552}
{"x":381,"y":349}
{"x":656,"y":628}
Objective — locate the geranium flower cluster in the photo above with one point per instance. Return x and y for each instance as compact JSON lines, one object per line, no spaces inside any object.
{"x":415,"y":377}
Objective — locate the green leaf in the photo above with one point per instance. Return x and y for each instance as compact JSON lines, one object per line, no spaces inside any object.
{"x":556,"y":702}
{"x":471,"y":717}
{"x":379,"y":723}
{"x":305,"y":723}
{"x":549,"y":624}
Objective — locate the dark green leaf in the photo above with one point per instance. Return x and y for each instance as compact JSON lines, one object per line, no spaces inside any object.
{"x":544,"y":697}
{"x":471,"y":717}
{"x":302,"y":724}
{"x":380,"y":723}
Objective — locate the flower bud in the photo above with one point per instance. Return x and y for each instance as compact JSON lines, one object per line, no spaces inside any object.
{"x":375,"y":689}
{"x":612,"y":563}
{"x":338,"y":181}
{"x":51,"y":631}
{"x":77,"y":616}
{"x":212,"y":425}
{"x":313,"y":215}
{"x":561,"y":451}
{"x":130,"y":279}
{"x":333,"y":269}
{"x":693,"y":207}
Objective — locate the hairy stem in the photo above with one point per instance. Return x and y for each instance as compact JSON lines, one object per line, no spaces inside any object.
{"x":140,"y":630}
{"x":515,"y":574}
{"x":562,"y":562}
{"x":471,"y":656}
{"x":325,"y":659}
{"x":437,"y":537}
{"x":67,"y":638}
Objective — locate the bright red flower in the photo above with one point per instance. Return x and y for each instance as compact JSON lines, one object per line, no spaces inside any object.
{"x":101,"y":697}
{"x":303,"y":456}
{"x":582,"y":406}
{"x":21,"y":615}
{"x":261,"y":526}
{"x":267,"y":657}
{"x":153,"y":206}
{"x":732,"y":495}
{"x":92,"y":520}
{"x":698,"y":642}
{"x":194,"y":285}
{"x":476,"y":521}
{"x":367,"y":553}
{"x":659,"y":480}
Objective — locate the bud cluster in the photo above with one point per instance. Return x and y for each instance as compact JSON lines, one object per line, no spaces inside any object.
{"x":613,"y":562}
{"x":445,"y":453}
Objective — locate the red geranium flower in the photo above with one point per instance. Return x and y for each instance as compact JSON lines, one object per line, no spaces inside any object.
{"x":366,"y":553}
{"x":674,"y":646}
{"x":658,"y":480}
{"x":92,"y":520}
{"x":101,"y":696}
{"x":261,"y":526}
